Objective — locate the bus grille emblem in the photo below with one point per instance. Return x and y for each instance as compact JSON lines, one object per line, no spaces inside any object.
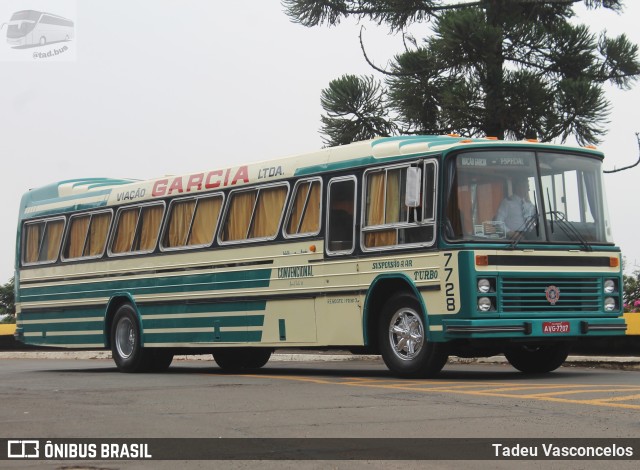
{"x":553,"y":294}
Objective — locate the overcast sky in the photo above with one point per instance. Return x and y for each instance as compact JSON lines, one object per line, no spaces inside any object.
{"x":155,"y":87}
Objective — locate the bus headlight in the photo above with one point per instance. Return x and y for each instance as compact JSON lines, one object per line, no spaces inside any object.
{"x":609,"y":304}
{"x":609,"y":286}
{"x":484,"y":286}
{"x":484,"y":304}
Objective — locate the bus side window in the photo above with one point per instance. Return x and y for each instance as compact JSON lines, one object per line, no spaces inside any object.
{"x":304,"y":214}
{"x":341,"y":210}
{"x":254,"y":214}
{"x":137,"y":229}
{"x":87,"y":236}
{"x":42,"y":241}
{"x":192,"y":222}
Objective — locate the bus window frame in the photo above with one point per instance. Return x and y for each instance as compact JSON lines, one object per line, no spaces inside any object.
{"x":68,"y":230}
{"x":227,"y":205}
{"x":46,"y":220}
{"x":167,"y":219}
{"x":299,"y":183}
{"x":114,"y":228}
{"x":425,"y":222}
{"x":340,"y":179}
{"x":57,"y":20}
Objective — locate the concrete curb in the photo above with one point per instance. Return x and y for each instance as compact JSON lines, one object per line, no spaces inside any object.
{"x":632,"y":362}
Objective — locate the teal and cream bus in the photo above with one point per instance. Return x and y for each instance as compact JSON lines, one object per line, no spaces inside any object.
{"x":396,"y":246}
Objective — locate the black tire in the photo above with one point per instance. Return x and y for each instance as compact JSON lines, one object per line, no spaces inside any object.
{"x":403,"y":340}
{"x":126,"y":342}
{"x":160,"y":360}
{"x":537,"y":359}
{"x":241,"y":359}
{"x":257,"y":357}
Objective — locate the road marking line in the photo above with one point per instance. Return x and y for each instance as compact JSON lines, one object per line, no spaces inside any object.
{"x":625,"y":398}
{"x":413,"y":386}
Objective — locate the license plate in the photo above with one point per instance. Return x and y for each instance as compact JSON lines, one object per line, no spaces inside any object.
{"x":550,"y":327}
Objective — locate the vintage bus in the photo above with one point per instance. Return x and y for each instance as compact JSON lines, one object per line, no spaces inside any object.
{"x":395,"y":246}
{"x":37,"y":28}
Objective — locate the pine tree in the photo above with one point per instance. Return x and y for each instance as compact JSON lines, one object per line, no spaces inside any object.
{"x":505,"y":68}
{"x":354,"y":110}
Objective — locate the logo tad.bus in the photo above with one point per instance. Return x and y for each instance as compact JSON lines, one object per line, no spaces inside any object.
{"x":31,"y":28}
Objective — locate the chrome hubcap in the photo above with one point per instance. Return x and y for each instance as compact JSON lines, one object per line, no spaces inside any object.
{"x":406,"y":334}
{"x":125,"y":338}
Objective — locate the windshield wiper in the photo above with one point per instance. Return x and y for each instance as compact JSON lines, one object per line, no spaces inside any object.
{"x":523,"y":229}
{"x":569,"y":230}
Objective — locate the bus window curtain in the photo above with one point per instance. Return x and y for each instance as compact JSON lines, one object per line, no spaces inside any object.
{"x":239,"y":216}
{"x":126,"y":230}
{"x":205,"y":221}
{"x":375,"y":197}
{"x":393,"y":202}
{"x":98,"y":231}
{"x":268,"y":212}
{"x":52,"y":241}
{"x":77,"y":237}
{"x":311,"y":216}
{"x":375,"y":212}
{"x":151,"y":219}
{"x":179,"y":222}
{"x":298,"y":207}
{"x":34,"y":233}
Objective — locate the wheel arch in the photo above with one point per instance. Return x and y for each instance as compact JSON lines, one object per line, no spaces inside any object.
{"x":382,"y":288}
{"x":116,"y":301}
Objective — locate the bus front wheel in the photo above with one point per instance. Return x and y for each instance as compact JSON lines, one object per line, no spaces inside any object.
{"x":403,"y":340}
{"x":537,"y":359}
{"x":126,"y":347}
{"x":160,"y":360}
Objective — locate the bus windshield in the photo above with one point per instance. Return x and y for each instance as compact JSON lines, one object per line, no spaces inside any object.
{"x":514,"y":196}
{"x":22,"y":23}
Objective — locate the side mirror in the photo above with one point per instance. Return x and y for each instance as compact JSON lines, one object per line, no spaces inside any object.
{"x":413,"y":187}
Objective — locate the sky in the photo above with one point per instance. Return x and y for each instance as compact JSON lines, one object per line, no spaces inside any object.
{"x":153,"y":87}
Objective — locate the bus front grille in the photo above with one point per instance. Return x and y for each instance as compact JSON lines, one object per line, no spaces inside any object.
{"x":549,"y":294}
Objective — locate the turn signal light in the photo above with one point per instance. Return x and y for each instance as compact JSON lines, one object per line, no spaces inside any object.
{"x":482,"y":260}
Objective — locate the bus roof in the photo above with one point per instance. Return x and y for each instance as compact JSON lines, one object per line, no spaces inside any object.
{"x":91,"y":193}
{"x":33,"y":15}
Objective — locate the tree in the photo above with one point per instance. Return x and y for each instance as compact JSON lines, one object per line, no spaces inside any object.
{"x":354,"y":110}
{"x":502,"y":68}
{"x":631,"y":292}
{"x":7,"y":298}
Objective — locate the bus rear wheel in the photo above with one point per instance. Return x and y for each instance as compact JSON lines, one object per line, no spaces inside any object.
{"x":403,"y":340}
{"x":537,"y":359}
{"x":126,"y":344}
{"x":239,"y":359}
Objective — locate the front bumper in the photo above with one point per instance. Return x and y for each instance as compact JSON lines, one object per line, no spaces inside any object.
{"x":546,"y":328}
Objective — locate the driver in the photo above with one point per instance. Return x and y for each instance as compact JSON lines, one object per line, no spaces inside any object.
{"x":516,"y":209}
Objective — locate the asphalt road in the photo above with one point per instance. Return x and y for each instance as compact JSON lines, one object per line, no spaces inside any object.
{"x":90,"y":399}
